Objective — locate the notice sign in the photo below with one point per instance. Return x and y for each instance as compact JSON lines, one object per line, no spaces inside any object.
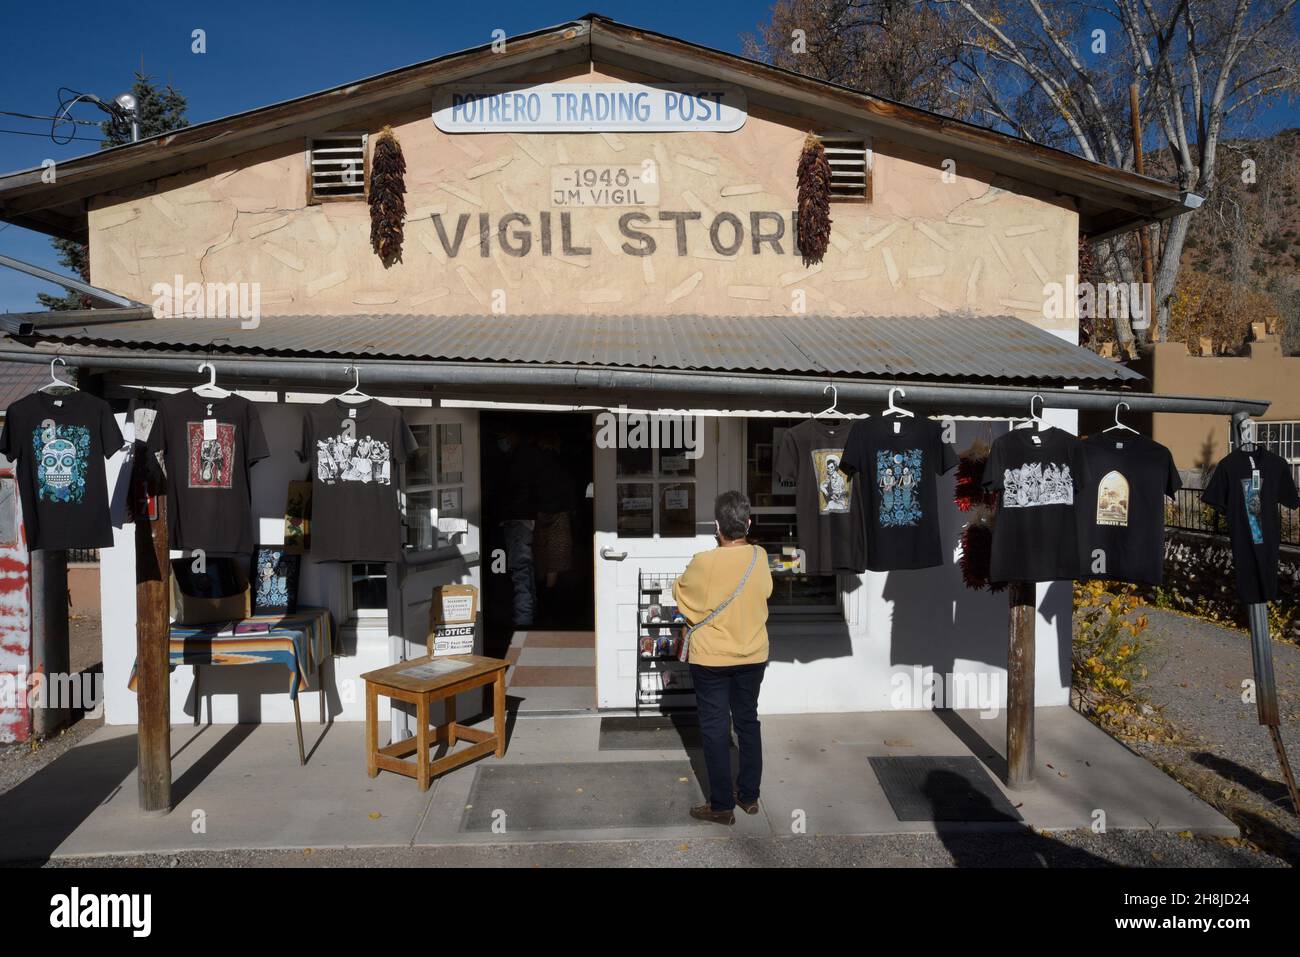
{"x":589,"y":108}
{"x":603,"y":186}
{"x":452,"y":616}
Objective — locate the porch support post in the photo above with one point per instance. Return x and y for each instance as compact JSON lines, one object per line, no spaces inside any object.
{"x":153,"y":696}
{"x":1020,"y":686}
{"x":51,"y":655}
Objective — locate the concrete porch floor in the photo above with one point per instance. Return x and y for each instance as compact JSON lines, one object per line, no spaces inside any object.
{"x":240,"y":786}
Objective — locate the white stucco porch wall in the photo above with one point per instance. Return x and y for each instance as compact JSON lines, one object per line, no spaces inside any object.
{"x":903,"y":630}
{"x":252,"y":693}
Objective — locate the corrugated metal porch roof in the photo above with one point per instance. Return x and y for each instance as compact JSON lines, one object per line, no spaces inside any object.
{"x":947,"y":347}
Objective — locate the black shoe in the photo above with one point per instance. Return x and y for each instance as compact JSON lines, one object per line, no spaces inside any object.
{"x":749,"y":807}
{"x":705,"y":812}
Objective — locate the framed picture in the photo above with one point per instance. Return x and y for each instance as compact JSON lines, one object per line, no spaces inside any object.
{"x":275,"y":580}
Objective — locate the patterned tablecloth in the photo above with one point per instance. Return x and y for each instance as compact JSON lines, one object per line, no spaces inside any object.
{"x":300,"y":641}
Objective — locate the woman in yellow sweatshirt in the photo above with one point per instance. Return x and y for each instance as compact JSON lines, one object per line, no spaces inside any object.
{"x":728,"y":655}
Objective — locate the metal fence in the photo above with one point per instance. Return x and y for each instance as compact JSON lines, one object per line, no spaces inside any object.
{"x":1187,"y":511}
{"x":83,"y":555}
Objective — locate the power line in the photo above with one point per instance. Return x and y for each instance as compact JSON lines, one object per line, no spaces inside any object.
{"x":88,"y":139}
{"x":33,"y":116}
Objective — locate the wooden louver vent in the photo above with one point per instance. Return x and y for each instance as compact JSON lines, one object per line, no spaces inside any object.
{"x":338,"y":166}
{"x":850,"y":161}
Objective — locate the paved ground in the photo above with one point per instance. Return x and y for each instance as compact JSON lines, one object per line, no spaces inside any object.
{"x":1215,"y":744}
{"x":819,"y":783}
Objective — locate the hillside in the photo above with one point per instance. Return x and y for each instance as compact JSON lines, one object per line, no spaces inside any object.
{"x":1241,"y":262}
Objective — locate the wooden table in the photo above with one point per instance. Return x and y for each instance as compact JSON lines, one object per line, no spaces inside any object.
{"x":405,"y":681}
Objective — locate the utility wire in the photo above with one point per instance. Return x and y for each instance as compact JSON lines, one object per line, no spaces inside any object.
{"x":88,"y":139}
{"x":33,"y":116}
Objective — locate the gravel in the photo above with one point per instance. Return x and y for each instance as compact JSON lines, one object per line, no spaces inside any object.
{"x":1020,"y":849}
{"x":20,"y":761}
{"x":1220,"y":751}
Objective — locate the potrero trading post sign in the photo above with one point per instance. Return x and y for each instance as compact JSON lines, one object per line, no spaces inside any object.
{"x":589,"y":108}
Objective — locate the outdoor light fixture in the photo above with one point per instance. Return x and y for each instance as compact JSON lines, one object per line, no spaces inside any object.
{"x":126,"y":104}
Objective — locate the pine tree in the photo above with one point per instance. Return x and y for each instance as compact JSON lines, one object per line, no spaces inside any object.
{"x":160,"y":110}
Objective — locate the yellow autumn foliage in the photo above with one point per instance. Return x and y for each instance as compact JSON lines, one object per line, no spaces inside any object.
{"x":1107,"y":656}
{"x":1205,"y":305}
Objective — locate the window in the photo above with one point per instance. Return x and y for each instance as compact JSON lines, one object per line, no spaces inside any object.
{"x":775,"y":525}
{"x":336,"y":165}
{"x":850,"y":159}
{"x":660,"y":498}
{"x":368,"y":589}
{"x":1280,"y":437}
{"x":434,"y":484}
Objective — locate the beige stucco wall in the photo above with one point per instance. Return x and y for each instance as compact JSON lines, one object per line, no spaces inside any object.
{"x":923,"y":245}
{"x":1198,"y":441}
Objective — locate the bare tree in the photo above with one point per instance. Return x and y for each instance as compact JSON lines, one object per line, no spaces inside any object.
{"x":900,"y":50}
{"x":1199,"y":66}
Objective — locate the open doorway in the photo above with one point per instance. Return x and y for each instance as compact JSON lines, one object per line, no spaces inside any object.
{"x":539,"y":609}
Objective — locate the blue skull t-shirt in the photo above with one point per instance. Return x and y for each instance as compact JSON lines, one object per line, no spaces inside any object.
{"x":895,"y":463}
{"x":58,"y":443}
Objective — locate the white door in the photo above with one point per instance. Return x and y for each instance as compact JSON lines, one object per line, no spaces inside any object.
{"x":654,"y":510}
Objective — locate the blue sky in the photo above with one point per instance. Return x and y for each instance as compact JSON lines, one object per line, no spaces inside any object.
{"x":259,"y":53}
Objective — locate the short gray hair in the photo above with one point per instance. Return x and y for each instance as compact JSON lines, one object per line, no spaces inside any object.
{"x":731,"y":509}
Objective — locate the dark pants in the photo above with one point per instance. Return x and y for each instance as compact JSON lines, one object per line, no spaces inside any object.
{"x":519,"y":562}
{"x":725,"y":697}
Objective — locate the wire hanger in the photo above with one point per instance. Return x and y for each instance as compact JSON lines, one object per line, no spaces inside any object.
{"x":1118,"y":424}
{"x":1246,"y":434}
{"x":355,"y":392}
{"x":55,"y":382}
{"x":210,"y":388}
{"x":835,"y":403}
{"x":1035,"y":418}
{"x":896,"y":410}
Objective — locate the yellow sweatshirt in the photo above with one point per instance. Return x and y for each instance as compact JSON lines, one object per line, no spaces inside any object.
{"x":738,"y":636}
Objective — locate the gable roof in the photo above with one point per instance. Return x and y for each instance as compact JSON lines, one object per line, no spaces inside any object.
{"x":1110,"y":200}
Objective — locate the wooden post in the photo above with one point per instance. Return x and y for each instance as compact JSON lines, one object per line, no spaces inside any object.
{"x":1020,"y":686}
{"x":50,"y":650}
{"x":153,"y":695}
{"x":1144,"y":235}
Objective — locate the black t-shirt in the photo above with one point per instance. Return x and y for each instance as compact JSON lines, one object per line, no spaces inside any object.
{"x":208,"y":446}
{"x":1122,"y":507}
{"x":354,"y":451}
{"x":809,"y":456}
{"x":894,"y":464}
{"x":1248,"y":487}
{"x":1035,"y":537}
{"x":58,"y":444}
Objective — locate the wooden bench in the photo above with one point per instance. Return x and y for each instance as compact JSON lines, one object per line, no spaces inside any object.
{"x":423,"y":682}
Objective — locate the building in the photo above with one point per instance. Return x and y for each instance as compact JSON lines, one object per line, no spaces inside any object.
{"x":578,"y":253}
{"x":1198,"y":442}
